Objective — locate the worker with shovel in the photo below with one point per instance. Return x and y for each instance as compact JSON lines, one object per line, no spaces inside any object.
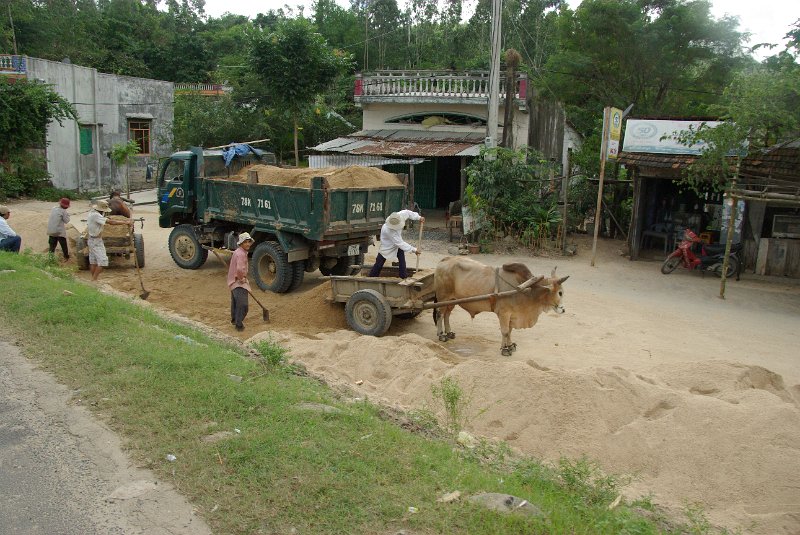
{"x":237,"y":281}
{"x":98,"y":259}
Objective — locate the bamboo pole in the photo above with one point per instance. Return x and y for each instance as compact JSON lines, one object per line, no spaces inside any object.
{"x":598,"y":213}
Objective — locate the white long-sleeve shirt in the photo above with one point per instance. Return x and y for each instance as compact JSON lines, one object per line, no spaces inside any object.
{"x":392,"y":240}
{"x":5,"y":230}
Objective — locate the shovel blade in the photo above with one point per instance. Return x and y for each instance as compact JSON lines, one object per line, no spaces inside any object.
{"x":144,"y":295}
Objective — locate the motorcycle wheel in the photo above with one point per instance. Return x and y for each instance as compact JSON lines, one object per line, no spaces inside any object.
{"x":670,"y":264}
{"x":733,"y":267}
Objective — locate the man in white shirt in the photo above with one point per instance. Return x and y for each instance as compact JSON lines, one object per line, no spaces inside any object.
{"x":94,"y":227}
{"x":9,"y":240}
{"x":392,"y":245}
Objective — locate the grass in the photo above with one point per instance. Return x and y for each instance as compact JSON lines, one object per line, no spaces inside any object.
{"x":163,"y":386}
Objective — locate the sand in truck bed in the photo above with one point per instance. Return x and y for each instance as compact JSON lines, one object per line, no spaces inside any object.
{"x":338,"y":177}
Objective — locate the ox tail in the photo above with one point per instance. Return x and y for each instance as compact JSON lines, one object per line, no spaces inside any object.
{"x":436,"y":313}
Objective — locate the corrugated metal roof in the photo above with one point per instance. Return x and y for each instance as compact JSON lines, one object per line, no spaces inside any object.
{"x":406,"y":143}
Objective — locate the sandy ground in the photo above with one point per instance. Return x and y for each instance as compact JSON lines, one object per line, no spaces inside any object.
{"x":654,"y":376}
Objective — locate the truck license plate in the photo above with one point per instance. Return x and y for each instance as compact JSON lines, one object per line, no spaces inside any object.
{"x":353,"y":250}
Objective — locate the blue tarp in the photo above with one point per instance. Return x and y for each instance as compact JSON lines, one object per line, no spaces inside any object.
{"x":237,"y":149}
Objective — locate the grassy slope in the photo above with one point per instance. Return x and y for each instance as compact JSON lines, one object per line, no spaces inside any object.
{"x":350,"y":472}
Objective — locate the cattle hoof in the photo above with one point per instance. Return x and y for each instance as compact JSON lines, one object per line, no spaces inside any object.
{"x":451,"y":335}
{"x":513,"y":346}
{"x":505,"y":351}
{"x":443,"y":338}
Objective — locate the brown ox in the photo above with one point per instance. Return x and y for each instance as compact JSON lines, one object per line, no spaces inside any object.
{"x":458,"y":277}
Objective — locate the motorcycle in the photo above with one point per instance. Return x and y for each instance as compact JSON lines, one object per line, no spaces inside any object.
{"x":710,"y":257}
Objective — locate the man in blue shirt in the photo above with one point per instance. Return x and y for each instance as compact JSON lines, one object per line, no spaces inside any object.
{"x":9,"y":241}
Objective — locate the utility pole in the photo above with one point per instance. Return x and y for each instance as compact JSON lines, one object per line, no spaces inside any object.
{"x":494,"y":75}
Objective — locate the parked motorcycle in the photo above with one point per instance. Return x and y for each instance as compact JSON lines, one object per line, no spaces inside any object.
{"x":693,"y":253}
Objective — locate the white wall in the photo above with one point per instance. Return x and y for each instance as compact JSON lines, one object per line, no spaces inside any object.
{"x":103,"y":101}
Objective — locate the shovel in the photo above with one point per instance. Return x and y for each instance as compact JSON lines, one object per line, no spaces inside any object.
{"x":144,"y":293}
{"x":419,"y":244}
{"x":264,"y":311}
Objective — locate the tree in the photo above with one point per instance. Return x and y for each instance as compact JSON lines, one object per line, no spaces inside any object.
{"x":29,"y":107}
{"x":295,"y":64}
{"x":663,"y":56}
{"x":121,"y":154}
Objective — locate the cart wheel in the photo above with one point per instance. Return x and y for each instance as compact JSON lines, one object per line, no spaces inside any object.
{"x":270,"y":267}
{"x":185,"y":249}
{"x":138,"y":244}
{"x":81,"y":259}
{"x":368,"y":312}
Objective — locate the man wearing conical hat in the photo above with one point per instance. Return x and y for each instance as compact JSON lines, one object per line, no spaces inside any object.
{"x":393,"y":247}
{"x":98,"y":259}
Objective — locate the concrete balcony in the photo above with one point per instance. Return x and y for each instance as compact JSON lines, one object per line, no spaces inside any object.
{"x":13,"y":66}
{"x":434,"y":87}
{"x":208,"y":90}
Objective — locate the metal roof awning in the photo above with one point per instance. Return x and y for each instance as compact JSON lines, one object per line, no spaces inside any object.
{"x":406,"y":143}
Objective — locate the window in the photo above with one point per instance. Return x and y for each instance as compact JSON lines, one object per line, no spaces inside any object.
{"x":173,"y":171}
{"x":86,"y":140}
{"x":139,"y":131}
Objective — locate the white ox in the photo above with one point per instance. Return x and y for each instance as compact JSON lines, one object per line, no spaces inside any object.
{"x":458,"y":277}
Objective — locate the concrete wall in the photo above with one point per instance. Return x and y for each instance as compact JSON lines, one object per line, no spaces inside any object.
{"x":105,"y":103}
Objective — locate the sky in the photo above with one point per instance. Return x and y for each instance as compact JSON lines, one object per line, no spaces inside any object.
{"x":767,"y":20}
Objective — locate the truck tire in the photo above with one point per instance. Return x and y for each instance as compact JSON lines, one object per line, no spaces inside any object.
{"x":270,"y":267}
{"x":299,"y":272}
{"x":138,"y":244}
{"x":81,"y":259}
{"x":185,"y":249}
{"x":368,"y":312}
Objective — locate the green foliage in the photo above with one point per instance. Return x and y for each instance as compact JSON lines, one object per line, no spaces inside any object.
{"x":760,"y":107}
{"x":294,"y":64}
{"x":584,"y":478}
{"x":512,"y":192}
{"x":212,"y":121}
{"x":274,"y":355}
{"x":23,"y":174}
{"x":29,"y":107}
{"x":121,"y":153}
{"x":454,"y":402}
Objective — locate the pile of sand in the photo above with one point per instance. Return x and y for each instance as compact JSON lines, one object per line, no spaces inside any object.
{"x":338,"y":178}
{"x":682,"y":429}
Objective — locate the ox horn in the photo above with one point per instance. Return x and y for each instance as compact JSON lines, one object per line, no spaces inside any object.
{"x":562,"y":279}
{"x":553,"y":273}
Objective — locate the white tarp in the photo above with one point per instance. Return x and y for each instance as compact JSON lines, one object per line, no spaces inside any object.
{"x":645,"y":135}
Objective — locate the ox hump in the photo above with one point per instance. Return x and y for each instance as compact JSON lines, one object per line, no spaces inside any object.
{"x":519,"y":270}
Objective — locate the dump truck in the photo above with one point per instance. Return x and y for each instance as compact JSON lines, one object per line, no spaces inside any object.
{"x":299,"y":224}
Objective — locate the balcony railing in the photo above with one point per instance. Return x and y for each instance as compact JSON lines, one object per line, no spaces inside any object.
{"x":10,"y":64}
{"x":436,"y":84}
{"x":203,"y":89}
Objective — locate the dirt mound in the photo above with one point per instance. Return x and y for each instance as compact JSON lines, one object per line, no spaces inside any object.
{"x":680,"y":429}
{"x":338,"y":178}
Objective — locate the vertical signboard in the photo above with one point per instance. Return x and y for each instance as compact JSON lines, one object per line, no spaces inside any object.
{"x":614,"y":133}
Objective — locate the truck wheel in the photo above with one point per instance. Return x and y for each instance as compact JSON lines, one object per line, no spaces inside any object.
{"x":270,"y":267}
{"x":298,"y":272}
{"x":185,"y":249}
{"x":368,"y":312}
{"x":81,"y":259}
{"x":138,"y":244}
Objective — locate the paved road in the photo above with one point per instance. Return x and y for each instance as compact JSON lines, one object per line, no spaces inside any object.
{"x":62,"y":472}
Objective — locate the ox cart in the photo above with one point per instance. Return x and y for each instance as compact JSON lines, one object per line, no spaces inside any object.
{"x":372,"y":302}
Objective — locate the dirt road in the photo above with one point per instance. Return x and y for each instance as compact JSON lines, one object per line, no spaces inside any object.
{"x":654,"y":376}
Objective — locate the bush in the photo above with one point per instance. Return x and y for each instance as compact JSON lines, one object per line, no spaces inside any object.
{"x":23,"y":175}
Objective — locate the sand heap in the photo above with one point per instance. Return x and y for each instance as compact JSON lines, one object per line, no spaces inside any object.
{"x":338,"y":177}
{"x":681,"y":429}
